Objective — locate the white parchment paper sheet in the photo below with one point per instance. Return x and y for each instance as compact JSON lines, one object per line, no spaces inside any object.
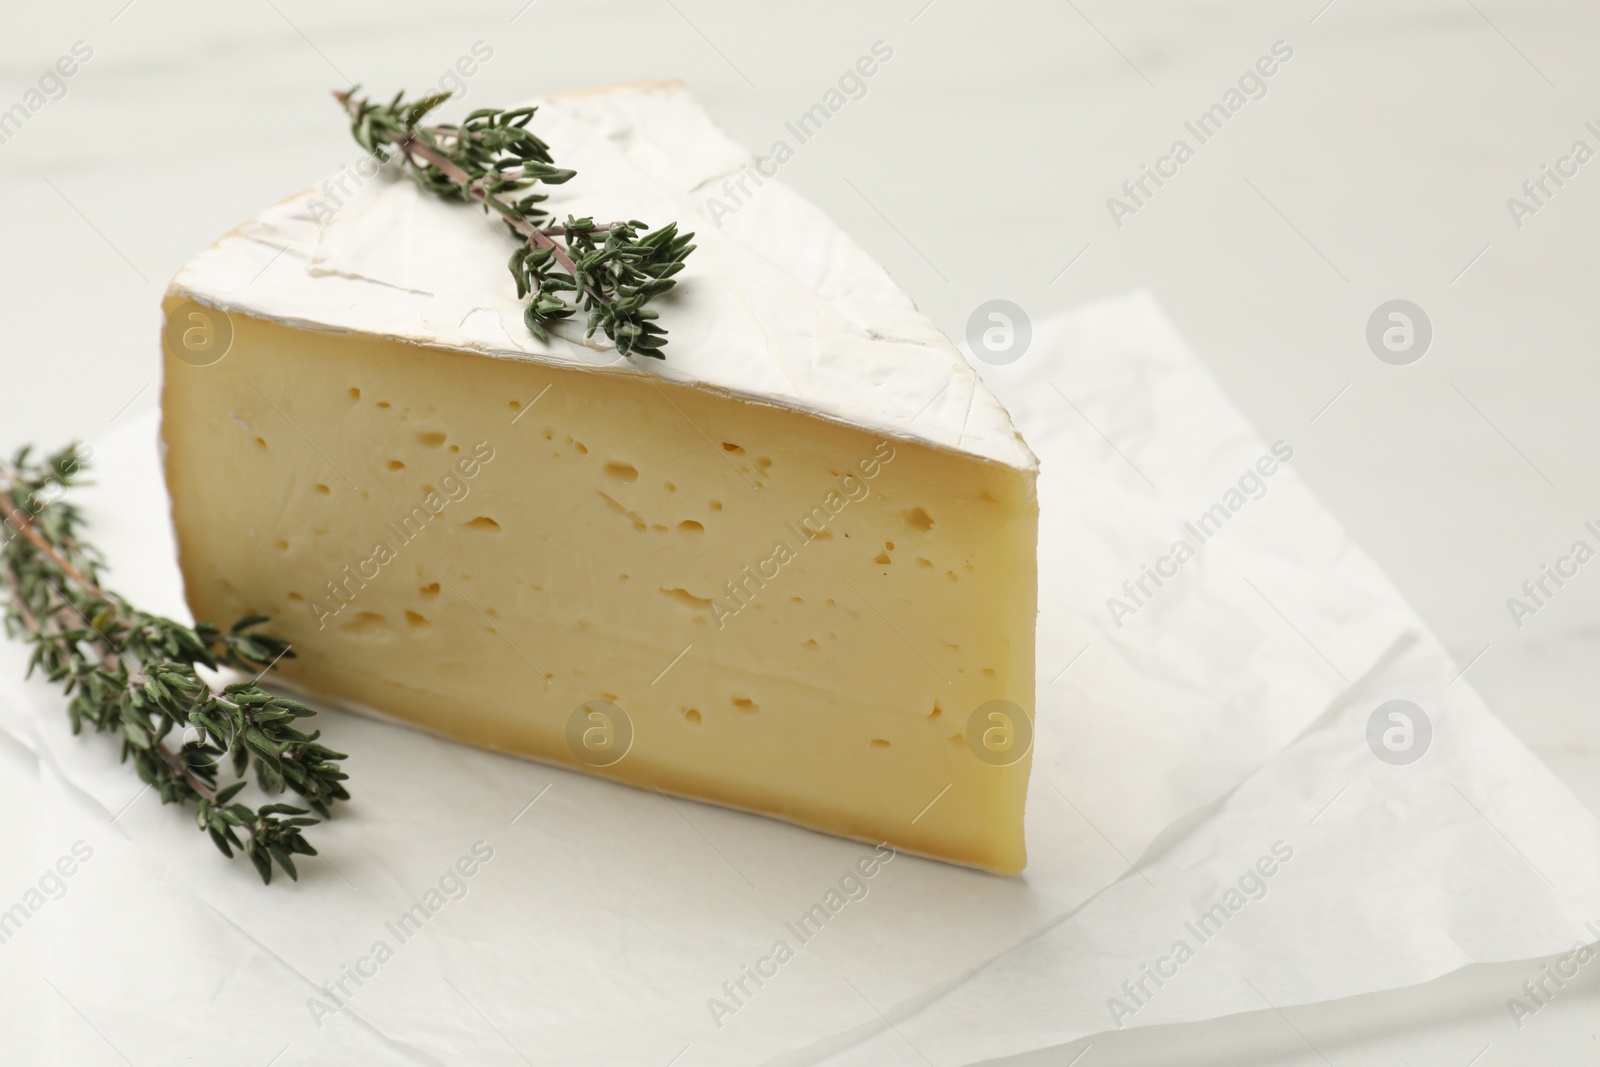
{"x":607,"y":919}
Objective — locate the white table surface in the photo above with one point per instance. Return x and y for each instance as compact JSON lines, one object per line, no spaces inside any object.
{"x":978,"y":165}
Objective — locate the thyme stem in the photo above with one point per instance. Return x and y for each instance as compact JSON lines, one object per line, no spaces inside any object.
{"x":478,"y":188}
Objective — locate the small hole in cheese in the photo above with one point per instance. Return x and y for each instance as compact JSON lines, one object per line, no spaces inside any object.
{"x":397,"y":465}
{"x":583,"y":449}
{"x":690,"y":526}
{"x":691,"y":715}
{"x":716,"y":505}
{"x":882,"y":557}
{"x":261,"y":442}
{"x":878,"y":742}
{"x":322,"y":489}
{"x":626,"y":473}
{"x":745,"y":704}
{"x":687,"y":599}
{"x":281,"y":544}
{"x":917,"y":519}
{"x":729,"y":446}
{"x":416,"y":620}
{"x":355,"y":394}
{"x":482,"y":522}
{"x":296,"y":597}
{"x":367,"y":624}
{"x":383,"y":403}
{"x":431,"y":439}
{"x":429,"y":591}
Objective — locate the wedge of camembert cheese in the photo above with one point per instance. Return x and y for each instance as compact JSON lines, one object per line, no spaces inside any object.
{"x":789,"y":569}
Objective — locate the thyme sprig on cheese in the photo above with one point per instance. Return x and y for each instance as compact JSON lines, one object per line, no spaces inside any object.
{"x":492,"y":159}
{"x":133,"y":674}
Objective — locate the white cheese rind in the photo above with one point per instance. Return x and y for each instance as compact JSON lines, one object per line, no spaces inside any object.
{"x":777,"y":304}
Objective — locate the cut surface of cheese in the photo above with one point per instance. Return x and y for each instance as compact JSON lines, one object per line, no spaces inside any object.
{"x":790,"y":569}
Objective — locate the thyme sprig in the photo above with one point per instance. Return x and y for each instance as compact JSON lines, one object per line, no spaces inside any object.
{"x":611,"y":271}
{"x":132,"y":673}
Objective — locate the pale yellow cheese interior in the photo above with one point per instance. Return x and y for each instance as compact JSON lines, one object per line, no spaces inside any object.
{"x":583,"y":548}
